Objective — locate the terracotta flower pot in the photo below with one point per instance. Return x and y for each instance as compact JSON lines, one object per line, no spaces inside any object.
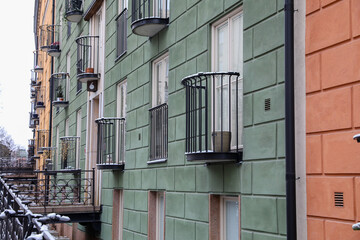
{"x":89,"y":70}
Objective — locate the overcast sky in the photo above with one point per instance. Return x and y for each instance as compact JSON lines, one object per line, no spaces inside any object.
{"x":16,"y":61}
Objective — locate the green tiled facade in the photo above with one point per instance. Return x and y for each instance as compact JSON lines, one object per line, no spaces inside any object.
{"x":259,"y":180}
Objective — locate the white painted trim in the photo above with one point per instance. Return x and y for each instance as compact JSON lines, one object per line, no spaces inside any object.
{"x":154,"y":80}
{"x":300,"y":117}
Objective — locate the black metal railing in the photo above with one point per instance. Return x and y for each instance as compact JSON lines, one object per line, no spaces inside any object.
{"x":50,"y":38}
{"x":34,"y":119}
{"x":159,"y":132}
{"x":111,"y":143}
{"x":56,"y":188}
{"x":45,"y":38}
{"x":69,"y":151}
{"x":73,"y":10}
{"x":149,"y":16}
{"x":150,"y":9}
{"x":31,"y":149}
{"x":38,"y":63}
{"x":42,"y":140}
{"x":121,"y":33}
{"x":87,"y":55}
{"x":213,"y":112}
{"x":60,"y":89}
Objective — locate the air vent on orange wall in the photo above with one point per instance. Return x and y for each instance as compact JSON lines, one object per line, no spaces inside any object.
{"x":339,"y":199}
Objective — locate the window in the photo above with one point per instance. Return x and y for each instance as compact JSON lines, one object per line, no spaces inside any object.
{"x":224,"y":217}
{"x":156,"y":215}
{"x":159,"y":111}
{"x":118,"y":214}
{"x":121,"y":113}
{"x":78,"y":134}
{"x":121,"y":99}
{"x":68,"y":70}
{"x":121,"y":27}
{"x":227,"y":36}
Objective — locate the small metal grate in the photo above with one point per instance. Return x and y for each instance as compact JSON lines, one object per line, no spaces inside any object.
{"x":267,"y":104}
{"x":339,"y":199}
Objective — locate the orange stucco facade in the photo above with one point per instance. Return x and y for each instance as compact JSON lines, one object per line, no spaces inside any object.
{"x":332,"y":118}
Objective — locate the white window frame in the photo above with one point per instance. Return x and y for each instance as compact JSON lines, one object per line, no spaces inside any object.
{"x":68,"y":69}
{"x":223,"y":200}
{"x":121,"y":113}
{"x":155,"y":93}
{"x":122,"y":4}
{"x":66,"y":132}
{"x":214,"y":60}
{"x":78,"y":134}
{"x":160,"y":222}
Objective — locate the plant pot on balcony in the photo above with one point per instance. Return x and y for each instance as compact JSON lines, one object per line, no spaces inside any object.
{"x":89,"y":70}
{"x":221,"y":141}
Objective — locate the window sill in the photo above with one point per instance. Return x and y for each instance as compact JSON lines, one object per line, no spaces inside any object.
{"x":157,"y":161}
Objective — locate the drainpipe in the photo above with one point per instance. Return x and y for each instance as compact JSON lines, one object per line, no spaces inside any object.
{"x":51,"y":82}
{"x":290,"y":121}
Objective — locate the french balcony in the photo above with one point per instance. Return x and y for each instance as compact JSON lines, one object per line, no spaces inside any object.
{"x":88,"y":58}
{"x":49,"y":154}
{"x":35,"y":79}
{"x":50,"y":39}
{"x":34,"y":120}
{"x":31,"y":150}
{"x":39,"y":97}
{"x":213,"y":117}
{"x":65,"y":192}
{"x":73,"y":10}
{"x":60,"y":89}
{"x":42,"y":140}
{"x":111,"y":143}
{"x":149,"y":16}
{"x":69,"y":151}
{"x":158,"y":133}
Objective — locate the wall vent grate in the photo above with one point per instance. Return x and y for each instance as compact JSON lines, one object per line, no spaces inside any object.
{"x":267,"y":104}
{"x":339,"y":199}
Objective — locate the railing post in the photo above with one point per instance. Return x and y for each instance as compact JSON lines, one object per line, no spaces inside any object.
{"x":93,"y":187}
{"x":46,"y":188}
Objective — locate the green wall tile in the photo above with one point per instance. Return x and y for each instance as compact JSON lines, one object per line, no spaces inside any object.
{"x":177,"y":150}
{"x":260,"y":142}
{"x":276,"y":96}
{"x":141,"y":200}
{"x":144,"y":223}
{"x":248,"y":110}
{"x":245,"y":235}
{"x":281,"y":139}
{"x":129,"y":199}
{"x":185,"y":178}
{"x":269,"y":34}
{"x":246,"y":177}
{"x":184,"y":230}
{"x":232,"y":178}
{"x":167,"y":37}
{"x":135,"y":179}
{"x":175,"y":204}
{"x":149,"y":179}
{"x":176,"y":9}
{"x":202,"y":64}
{"x":281,"y":65}
{"x":169,"y":228}
{"x":269,"y":177}
{"x":197,"y":207}
{"x":263,"y":236}
{"x":134,"y":221}
{"x":165,"y":178}
{"x":260,"y":73}
{"x":202,"y":231}
{"x":255,"y":11}
{"x":259,"y":213}
{"x":208,"y":9}
{"x":281,"y":210}
{"x":248,"y":46}
{"x":139,"y":237}
{"x":177,"y":54}
{"x":197,"y":42}
{"x":151,"y":48}
{"x":186,"y":23}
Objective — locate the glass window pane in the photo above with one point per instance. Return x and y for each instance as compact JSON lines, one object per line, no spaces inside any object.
{"x":236,"y":44}
{"x":231,"y":219}
{"x":222,"y":48}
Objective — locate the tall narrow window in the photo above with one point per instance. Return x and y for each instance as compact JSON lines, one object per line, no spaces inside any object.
{"x":224,"y":222}
{"x":67,"y":127}
{"x":156,"y":215}
{"x":121,"y":113}
{"x":159,"y":111}
{"x":118,"y":214}
{"x":78,"y":134}
{"x":121,"y":28}
{"x":227,"y":39}
{"x":68,"y":70}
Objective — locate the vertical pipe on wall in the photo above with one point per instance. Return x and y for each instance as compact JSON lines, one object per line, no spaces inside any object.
{"x":51,"y":82}
{"x":290,"y":121}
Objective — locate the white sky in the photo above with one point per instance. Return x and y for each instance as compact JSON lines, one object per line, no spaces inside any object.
{"x":16,"y":61}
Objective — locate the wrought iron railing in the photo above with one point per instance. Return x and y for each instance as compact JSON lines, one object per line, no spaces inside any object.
{"x":33,"y":120}
{"x":31,"y":149}
{"x":56,"y":188}
{"x":149,"y":16}
{"x":40,"y":97}
{"x":87,"y":56}
{"x":50,"y":38}
{"x":73,"y":10}
{"x":60,"y":89}
{"x":159,"y":132}
{"x":111,"y":143}
{"x":38,"y":63}
{"x":213,"y":113}
{"x":68,"y":153}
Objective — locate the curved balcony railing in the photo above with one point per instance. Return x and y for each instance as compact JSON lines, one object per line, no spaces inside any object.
{"x":54,"y":34}
{"x":45,"y":38}
{"x":87,"y":58}
{"x":73,"y":10}
{"x":213,"y":117}
{"x":69,"y":151}
{"x":111,"y":143}
{"x":60,"y":89}
{"x":149,"y":16}
{"x":38,"y":63}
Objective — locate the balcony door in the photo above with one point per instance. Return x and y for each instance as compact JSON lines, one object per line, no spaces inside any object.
{"x":227,"y":45}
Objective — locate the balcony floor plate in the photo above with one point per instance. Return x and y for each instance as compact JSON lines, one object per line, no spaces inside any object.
{"x":86,"y":77}
{"x":60,"y":103}
{"x":148,"y":27}
{"x":214,"y":157}
{"x":74,"y":16}
{"x":54,"y":52}
{"x":119,"y":167}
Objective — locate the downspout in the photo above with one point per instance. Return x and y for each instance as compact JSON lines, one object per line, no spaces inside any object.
{"x":51,"y":82}
{"x":290,"y":121}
